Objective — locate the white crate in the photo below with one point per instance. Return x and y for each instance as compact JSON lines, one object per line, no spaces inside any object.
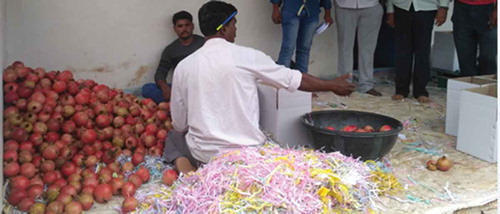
{"x":454,"y":87}
{"x":477,"y":133}
{"x":280,"y":114}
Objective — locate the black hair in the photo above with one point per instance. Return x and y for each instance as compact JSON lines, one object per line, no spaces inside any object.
{"x":212,"y":14}
{"x":182,"y":15}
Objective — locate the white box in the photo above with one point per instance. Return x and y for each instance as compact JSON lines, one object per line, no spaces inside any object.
{"x":444,"y":55}
{"x":280,"y":115}
{"x":488,"y":77}
{"x":478,"y":119}
{"x":453,"y":99}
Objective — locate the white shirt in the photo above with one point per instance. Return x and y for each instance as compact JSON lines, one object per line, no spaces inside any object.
{"x":214,"y":96}
{"x":357,"y":4}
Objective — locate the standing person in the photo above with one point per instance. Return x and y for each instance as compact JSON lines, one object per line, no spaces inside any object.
{"x":299,"y":19}
{"x":185,"y":44}
{"x":413,"y":20}
{"x":361,"y":18}
{"x":214,"y":94}
{"x":475,"y":24}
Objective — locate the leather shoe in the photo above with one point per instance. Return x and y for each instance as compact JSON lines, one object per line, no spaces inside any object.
{"x":374,"y":92}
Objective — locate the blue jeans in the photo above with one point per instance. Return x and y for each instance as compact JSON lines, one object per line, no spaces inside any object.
{"x":298,"y":33}
{"x":151,"y":90}
{"x":470,"y":31}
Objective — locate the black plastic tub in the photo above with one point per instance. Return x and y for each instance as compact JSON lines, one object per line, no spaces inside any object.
{"x":367,"y":146}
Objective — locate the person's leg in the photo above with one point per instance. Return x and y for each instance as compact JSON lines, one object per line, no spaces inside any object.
{"x":151,"y":90}
{"x":177,"y":152}
{"x":404,"y":51}
{"x":368,"y":28}
{"x":487,"y":41}
{"x":465,"y":38}
{"x":290,"y":29}
{"x":346,"y":31}
{"x":423,"y":24}
{"x":304,"y":42}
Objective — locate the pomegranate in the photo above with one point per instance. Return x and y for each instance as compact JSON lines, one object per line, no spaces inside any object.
{"x":369,"y":128}
{"x":15,"y":196}
{"x":135,"y":179}
{"x":19,"y":182}
{"x":28,"y":170}
{"x":137,"y":158}
{"x":349,"y":128}
{"x":169,"y":176}
{"x":35,"y":191}
{"x":55,"y":207}
{"x":68,"y":168}
{"x":50,"y":152}
{"x":37,"y":208}
{"x":11,"y":169}
{"x":88,"y":190}
{"x":144,"y":174}
{"x":128,"y":166}
{"x":103,"y":193}
{"x":47,"y":165}
{"x":117,"y":184}
{"x":10,"y":145}
{"x":25,"y":204}
{"x":129,"y":204}
{"x":86,"y":200}
{"x":128,"y":189}
{"x":10,"y":156}
{"x":444,"y":164}
{"x":385,"y":128}
{"x":49,"y":177}
{"x":431,"y":165}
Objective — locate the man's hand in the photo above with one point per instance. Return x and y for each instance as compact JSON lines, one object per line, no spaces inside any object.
{"x":493,"y":18}
{"x":440,"y":18}
{"x":341,"y":86}
{"x":329,"y":20}
{"x":276,"y":17}
{"x":276,"y":14}
{"x":390,"y":19}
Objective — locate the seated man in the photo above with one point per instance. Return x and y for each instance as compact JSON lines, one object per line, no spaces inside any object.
{"x":214,"y":93}
{"x":186,"y":44}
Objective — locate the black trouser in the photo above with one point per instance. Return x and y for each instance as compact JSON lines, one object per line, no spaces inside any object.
{"x":470,"y":30}
{"x":413,"y":41}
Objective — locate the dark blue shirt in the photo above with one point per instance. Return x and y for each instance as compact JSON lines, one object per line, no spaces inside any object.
{"x":312,"y":6}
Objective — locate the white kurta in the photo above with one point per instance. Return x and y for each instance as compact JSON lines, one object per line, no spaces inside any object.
{"x":214,"y":96}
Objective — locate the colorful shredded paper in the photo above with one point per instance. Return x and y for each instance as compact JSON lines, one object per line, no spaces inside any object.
{"x":273,"y":180}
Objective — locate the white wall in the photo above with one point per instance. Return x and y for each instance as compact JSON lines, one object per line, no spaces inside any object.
{"x":119,"y":42}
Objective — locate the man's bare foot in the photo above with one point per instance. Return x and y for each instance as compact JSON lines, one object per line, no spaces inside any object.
{"x":423,"y":99}
{"x":397,"y":97}
{"x":183,"y":165}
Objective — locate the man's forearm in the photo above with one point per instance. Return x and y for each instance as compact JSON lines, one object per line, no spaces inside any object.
{"x":311,"y":83}
{"x":162,"y":84}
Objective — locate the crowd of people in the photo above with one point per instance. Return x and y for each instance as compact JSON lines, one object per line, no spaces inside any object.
{"x":213,"y":95}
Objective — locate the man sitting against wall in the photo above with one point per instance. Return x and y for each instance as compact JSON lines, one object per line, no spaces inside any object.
{"x":176,"y":51}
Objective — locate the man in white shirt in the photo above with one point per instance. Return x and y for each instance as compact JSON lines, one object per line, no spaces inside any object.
{"x":361,"y":19}
{"x":214,"y":94}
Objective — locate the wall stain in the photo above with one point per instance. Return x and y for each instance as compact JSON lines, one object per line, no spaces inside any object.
{"x":102,"y":69}
{"x":139,"y":74}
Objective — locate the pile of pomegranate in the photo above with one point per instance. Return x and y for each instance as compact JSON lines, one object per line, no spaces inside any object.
{"x":367,"y":128}
{"x":57,"y":130}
